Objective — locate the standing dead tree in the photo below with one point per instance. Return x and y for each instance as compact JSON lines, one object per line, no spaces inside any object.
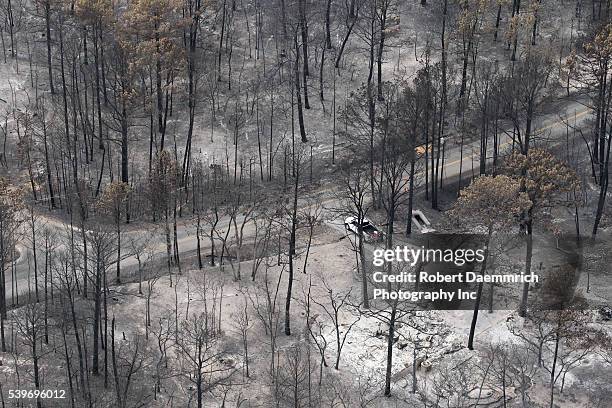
{"x":162,"y":194}
{"x":130,"y":360}
{"x":294,"y":378}
{"x":392,"y":312}
{"x":265,"y":302}
{"x":593,"y":74}
{"x":200,"y":349}
{"x":243,"y":323}
{"x":336,"y":307}
{"x":30,"y":323}
{"x":113,"y":200}
{"x":355,"y":203}
{"x":102,"y":250}
{"x":163,"y":332}
{"x":10,"y":221}
{"x":286,"y":219}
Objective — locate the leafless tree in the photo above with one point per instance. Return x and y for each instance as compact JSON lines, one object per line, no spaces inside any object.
{"x":337,"y":308}
{"x":200,"y":349}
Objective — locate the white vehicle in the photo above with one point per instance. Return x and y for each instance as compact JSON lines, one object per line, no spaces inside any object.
{"x":369,"y":231}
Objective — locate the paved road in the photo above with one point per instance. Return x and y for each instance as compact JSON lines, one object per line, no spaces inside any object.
{"x":550,"y":128}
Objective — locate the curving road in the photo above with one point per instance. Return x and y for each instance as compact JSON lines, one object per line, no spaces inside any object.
{"x":550,"y":129}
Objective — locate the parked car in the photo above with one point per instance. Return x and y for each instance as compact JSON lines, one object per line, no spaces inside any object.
{"x":369,"y":231}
